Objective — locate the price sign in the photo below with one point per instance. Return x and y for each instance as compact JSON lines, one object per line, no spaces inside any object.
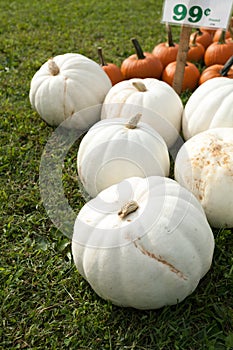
{"x":197,"y":13}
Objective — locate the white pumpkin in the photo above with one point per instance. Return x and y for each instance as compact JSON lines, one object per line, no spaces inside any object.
{"x":115,"y":149}
{"x":143,"y":243}
{"x":67,"y":84}
{"x":210,"y":106}
{"x":204,"y":165}
{"x":159,"y":104}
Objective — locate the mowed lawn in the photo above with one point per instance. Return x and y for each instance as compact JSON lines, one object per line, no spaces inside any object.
{"x":45,"y":303}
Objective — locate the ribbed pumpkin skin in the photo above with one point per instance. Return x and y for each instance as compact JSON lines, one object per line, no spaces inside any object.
{"x":126,"y":99}
{"x":153,"y":257}
{"x":204,"y":166}
{"x":214,"y":71}
{"x":218,"y":53}
{"x":218,"y":33}
{"x":111,"y":69}
{"x":114,"y":73}
{"x":210,"y":31}
{"x":210,"y":106}
{"x":77,"y":84}
{"x":110,"y":152}
{"x":191,"y":75}
{"x":166,"y":53}
{"x":203,"y":38}
{"x":149,"y":67}
{"x":196,"y":53}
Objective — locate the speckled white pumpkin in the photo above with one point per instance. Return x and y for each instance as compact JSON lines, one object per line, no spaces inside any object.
{"x":160,"y":105}
{"x":115,"y":149}
{"x":67,"y":84}
{"x":210,"y":106}
{"x":143,"y":243}
{"x":204,"y":165}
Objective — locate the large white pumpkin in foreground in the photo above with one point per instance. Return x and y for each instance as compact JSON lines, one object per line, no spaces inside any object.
{"x":160,"y":105}
{"x":210,"y":106}
{"x":204,"y":165}
{"x":115,"y":149}
{"x":67,"y":84}
{"x":143,"y":243}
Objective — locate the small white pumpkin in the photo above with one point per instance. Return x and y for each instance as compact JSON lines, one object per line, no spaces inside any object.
{"x":143,"y":243}
{"x":210,"y":106}
{"x":67,"y":84}
{"x":204,"y":165}
{"x":159,"y":104}
{"x":114,"y":149}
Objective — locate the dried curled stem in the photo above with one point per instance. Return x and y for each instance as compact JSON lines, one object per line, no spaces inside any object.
{"x":53,"y":67}
{"x":133,"y":121}
{"x":140,"y":86}
{"x":128,"y":208}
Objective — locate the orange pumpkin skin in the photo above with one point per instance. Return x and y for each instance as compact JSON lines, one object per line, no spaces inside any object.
{"x":148,"y":67}
{"x":229,"y":41}
{"x":218,"y":34}
{"x":203,"y":38}
{"x":111,"y":69}
{"x":195,"y":53}
{"x":218,"y":53}
{"x":214,"y":71}
{"x":114,"y":73}
{"x":210,"y":31}
{"x":191,"y":75}
{"x":166,"y":53}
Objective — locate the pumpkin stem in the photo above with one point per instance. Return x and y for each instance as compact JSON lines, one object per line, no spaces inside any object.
{"x":169,"y":35}
{"x":231,"y":32}
{"x":101,"y":58}
{"x":194,"y":41}
{"x":231,"y":22}
{"x":138,"y":49}
{"x":224,"y":71}
{"x":53,"y":67}
{"x":230,"y":27}
{"x":133,"y":121}
{"x":222,"y":37}
{"x":128,"y":208}
{"x":139,"y":86}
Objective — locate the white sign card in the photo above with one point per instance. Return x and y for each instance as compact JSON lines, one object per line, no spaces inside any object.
{"x":198,"y":13}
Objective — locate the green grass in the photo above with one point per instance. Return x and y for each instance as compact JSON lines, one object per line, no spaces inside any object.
{"x":45,"y":303}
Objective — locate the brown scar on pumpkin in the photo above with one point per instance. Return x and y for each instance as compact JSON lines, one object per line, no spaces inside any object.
{"x":161,"y":260}
{"x":216,"y":149}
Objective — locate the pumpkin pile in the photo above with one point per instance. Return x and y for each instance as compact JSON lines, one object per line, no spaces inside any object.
{"x":209,"y":51}
{"x":145,"y":239}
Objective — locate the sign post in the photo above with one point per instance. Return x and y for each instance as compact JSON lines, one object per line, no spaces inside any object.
{"x":193,"y":13}
{"x":181,"y":58}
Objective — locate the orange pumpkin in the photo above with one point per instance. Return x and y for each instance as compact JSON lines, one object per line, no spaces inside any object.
{"x":191,"y":75}
{"x":219,"y":51}
{"x":196,"y":50}
{"x":168,"y":50}
{"x":218,"y":34}
{"x":141,"y":65}
{"x":209,"y":30}
{"x":217,"y":70}
{"x":111,"y":69}
{"x":203,"y":37}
